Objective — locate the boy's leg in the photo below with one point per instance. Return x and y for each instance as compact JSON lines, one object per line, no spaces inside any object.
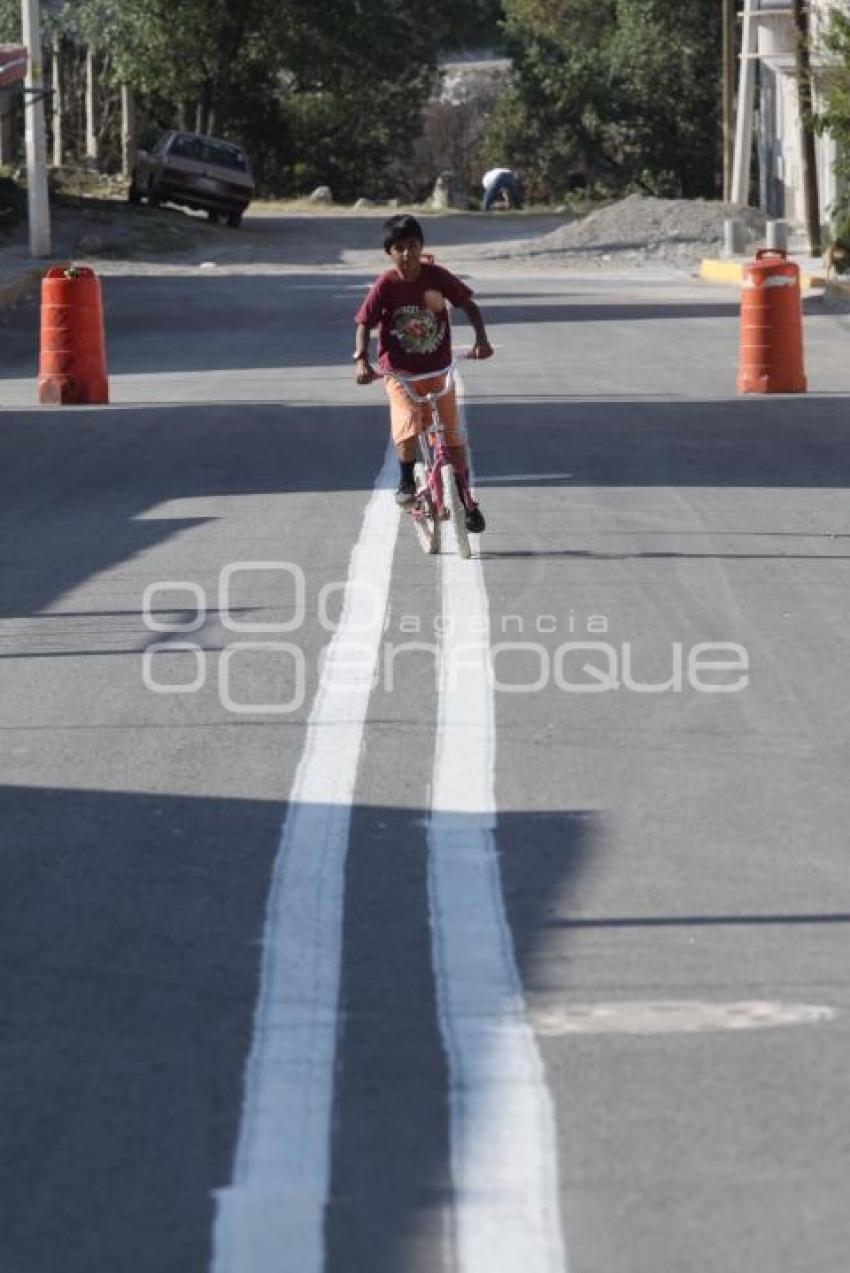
{"x":406,"y":451}
{"x":447,"y":410}
{"x":407,"y":421}
{"x":447,"y":407}
{"x":405,"y":424}
{"x":406,"y":490}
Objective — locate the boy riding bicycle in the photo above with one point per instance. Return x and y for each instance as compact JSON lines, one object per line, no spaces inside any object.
{"x":408,"y":306}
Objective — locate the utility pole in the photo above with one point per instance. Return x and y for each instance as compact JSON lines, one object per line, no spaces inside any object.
{"x":36,"y":142}
{"x":746,"y":102}
{"x":128,"y":131}
{"x":58,"y":103}
{"x":729,"y":60}
{"x":91,"y":106}
{"x":811,"y":198}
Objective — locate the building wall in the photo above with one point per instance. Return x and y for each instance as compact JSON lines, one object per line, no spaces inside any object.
{"x":779,"y":140}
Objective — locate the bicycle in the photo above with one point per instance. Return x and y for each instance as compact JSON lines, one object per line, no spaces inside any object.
{"x":441,"y":491}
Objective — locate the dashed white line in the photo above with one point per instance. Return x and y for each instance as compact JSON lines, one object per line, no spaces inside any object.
{"x":489,"y":479}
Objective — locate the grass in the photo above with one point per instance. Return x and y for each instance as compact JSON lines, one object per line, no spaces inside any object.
{"x":76,"y":182}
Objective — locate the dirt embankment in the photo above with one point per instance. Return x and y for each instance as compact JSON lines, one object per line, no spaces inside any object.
{"x":640,"y":230}
{"x":633,"y":232}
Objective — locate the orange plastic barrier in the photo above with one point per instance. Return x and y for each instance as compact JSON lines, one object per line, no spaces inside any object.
{"x":72,"y":366}
{"x":771,"y":357}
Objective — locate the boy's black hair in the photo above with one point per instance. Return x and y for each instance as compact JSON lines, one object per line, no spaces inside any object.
{"x":401,"y":227}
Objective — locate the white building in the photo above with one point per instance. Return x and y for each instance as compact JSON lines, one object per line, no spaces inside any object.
{"x":464,"y":78}
{"x":770,"y":44}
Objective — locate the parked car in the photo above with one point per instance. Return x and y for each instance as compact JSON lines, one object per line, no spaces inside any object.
{"x":196,"y":172}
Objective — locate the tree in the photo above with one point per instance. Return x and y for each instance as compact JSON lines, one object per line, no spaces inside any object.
{"x":10,"y":21}
{"x":329,"y":92}
{"x":667,"y":71}
{"x":553,"y":121}
{"x":625,"y":93}
{"x":10,"y":33}
{"x":355,"y":80}
{"x":358,"y":77}
{"x":835,"y":115}
{"x":475,"y":24}
{"x":168,"y":51}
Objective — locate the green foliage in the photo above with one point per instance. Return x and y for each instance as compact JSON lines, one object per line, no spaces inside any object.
{"x":667,"y":72}
{"x":10,"y":21}
{"x":475,"y":23}
{"x":565,"y":24}
{"x":624,"y":93}
{"x":841,"y":237}
{"x":168,"y":48}
{"x":319,"y":93}
{"x":838,"y":249}
{"x":835,"y":116}
{"x":551,"y":123}
{"x":13,"y":200}
{"x":357,"y":83}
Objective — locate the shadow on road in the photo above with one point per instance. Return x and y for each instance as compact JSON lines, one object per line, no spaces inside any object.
{"x":584,"y":554}
{"x":612,"y":312}
{"x":209,"y":321}
{"x":212,"y":322}
{"x":391,"y":1180}
{"x":129,"y":941}
{"x":75,"y":488}
{"x":131,"y":932}
{"x":325,"y":238}
{"x":700,"y":921}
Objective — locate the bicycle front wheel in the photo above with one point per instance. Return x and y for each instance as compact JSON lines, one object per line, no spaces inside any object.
{"x":423,"y":513}
{"x":453,"y":502}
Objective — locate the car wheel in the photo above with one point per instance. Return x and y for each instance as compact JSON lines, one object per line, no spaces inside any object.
{"x":234,"y":220}
{"x":212,"y":216}
{"x":133,"y":192}
{"x":154,"y":197}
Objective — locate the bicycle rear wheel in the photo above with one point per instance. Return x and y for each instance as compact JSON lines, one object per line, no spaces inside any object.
{"x":423,"y":513}
{"x":453,"y":502}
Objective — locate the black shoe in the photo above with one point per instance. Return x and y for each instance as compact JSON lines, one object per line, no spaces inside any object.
{"x":475,"y":522}
{"x":405,"y":496}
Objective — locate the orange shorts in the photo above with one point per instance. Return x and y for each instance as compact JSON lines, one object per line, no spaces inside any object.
{"x":407,"y":419}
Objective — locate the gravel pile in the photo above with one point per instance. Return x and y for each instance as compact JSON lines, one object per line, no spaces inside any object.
{"x":643,"y":229}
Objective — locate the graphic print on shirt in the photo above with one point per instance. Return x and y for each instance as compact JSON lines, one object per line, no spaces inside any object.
{"x":417,"y":330}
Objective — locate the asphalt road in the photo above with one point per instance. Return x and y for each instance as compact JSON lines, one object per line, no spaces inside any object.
{"x":456,"y":972}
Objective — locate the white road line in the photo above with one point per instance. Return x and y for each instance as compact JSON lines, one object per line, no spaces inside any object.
{"x":270,"y":1220}
{"x":504,"y":1166}
{"x":488,"y":479}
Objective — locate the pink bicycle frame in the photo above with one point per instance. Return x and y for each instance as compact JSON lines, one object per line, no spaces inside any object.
{"x":435,"y":456}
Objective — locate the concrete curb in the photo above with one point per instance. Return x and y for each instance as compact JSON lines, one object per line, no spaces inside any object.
{"x":714,"y":271}
{"x":15,"y":289}
{"x":720,"y":271}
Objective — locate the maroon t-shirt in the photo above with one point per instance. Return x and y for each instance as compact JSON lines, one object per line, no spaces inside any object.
{"x":414,"y":334}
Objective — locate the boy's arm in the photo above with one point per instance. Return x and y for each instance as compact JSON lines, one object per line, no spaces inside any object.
{"x":482,"y":347}
{"x":363,"y":372}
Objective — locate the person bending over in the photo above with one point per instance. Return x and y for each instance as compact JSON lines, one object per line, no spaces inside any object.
{"x":502,"y":182}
